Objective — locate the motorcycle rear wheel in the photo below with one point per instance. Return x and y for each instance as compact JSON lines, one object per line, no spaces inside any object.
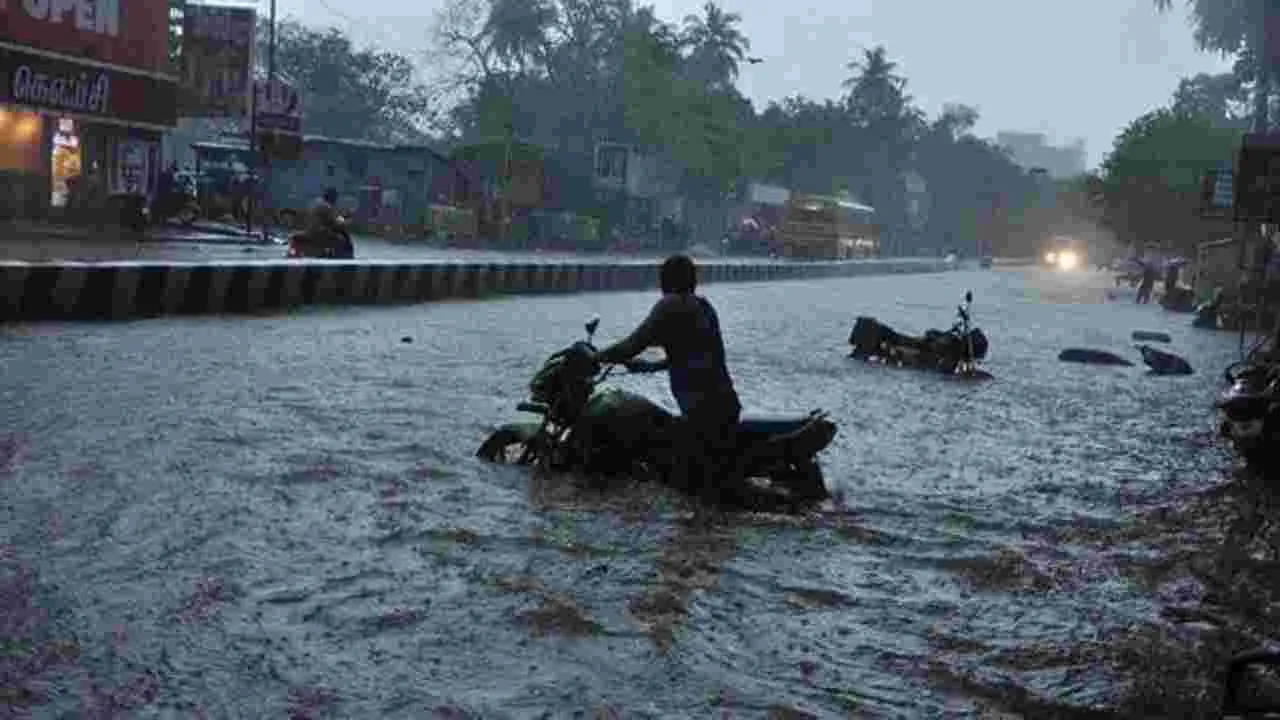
{"x":803,"y":481}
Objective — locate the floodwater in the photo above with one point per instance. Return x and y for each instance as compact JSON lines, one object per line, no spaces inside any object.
{"x":267,"y":517}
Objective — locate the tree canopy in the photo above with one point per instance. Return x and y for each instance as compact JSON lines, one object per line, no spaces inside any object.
{"x":568,"y":74}
{"x":1150,"y":181}
{"x":348,"y":91}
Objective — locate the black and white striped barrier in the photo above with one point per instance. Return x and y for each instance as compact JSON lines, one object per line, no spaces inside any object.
{"x":126,"y":290}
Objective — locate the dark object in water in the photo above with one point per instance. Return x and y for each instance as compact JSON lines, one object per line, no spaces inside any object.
{"x":1092,"y":357}
{"x":952,"y":352}
{"x":1151,"y":336}
{"x":1247,"y":691}
{"x":1164,"y":363}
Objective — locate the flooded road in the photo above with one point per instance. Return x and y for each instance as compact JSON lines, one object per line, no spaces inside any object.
{"x":233,"y":518}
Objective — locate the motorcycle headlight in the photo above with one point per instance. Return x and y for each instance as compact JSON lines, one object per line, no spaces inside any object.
{"x":1068,"y":260}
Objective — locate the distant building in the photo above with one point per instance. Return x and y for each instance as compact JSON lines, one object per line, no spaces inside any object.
{"x":1032,"y":150}
{"x":402,"y":188}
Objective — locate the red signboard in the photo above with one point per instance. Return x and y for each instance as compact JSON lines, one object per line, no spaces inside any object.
{"x":132,"y":33}
{"x":62,"y":86}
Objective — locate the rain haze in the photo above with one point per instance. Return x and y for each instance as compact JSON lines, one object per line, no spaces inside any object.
{"x":1080,"y":70}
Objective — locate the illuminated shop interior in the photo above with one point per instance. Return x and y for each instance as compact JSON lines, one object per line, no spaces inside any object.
{"x":21,"y":141}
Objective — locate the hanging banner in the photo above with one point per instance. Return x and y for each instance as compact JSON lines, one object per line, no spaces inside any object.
{"x":217,"y":60}
{"x":133,"y":166}
{"x":278,"y":106}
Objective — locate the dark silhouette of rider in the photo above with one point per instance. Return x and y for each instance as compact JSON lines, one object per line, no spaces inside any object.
{"x":687,"y":328}
{"x":323,"y":224}
{"x":324,"y":213}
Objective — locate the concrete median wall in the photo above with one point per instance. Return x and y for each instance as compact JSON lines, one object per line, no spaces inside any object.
{"x":128,"y":290}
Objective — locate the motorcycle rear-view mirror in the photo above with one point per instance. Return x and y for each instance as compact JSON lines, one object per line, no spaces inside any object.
{"x":592,"y":325}
{"x":968,"y":296}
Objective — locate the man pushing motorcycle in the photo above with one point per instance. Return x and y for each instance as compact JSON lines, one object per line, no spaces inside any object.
{"x":687,"y":328}
{"x":325,"y":227}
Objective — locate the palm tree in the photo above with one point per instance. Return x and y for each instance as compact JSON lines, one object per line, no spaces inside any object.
{"x":876,"y":92}
{"x":517,"y":29}
{"x":717,"y":46}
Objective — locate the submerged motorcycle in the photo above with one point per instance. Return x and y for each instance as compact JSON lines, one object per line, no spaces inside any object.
{"x":952,"y":352}
{"x":586,"y":428}
{"x":1249,"y":412}
{"x":1250,"y":689}
{"x":332,"y":245}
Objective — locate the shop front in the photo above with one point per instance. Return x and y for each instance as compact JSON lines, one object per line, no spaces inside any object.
{"x":80,"y":137}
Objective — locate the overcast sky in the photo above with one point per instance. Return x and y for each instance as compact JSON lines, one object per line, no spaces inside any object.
{"x":1079,"y":69}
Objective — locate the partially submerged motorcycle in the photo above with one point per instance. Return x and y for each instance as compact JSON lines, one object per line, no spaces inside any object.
{"x":586,"y":428}
{"x":332,"y":245}
{"x":952,"y":352}
{"x":1249,"y":412}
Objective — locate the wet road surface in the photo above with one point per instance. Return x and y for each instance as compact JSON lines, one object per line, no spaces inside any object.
{"x":233,"y":518}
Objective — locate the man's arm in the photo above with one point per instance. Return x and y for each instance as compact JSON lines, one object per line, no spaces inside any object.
{"x":647,"y":335}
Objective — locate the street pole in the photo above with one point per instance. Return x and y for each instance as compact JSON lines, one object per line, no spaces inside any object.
{"x":253,"y":154}
{"x":271,"y":76}
{"x":504,"y":229}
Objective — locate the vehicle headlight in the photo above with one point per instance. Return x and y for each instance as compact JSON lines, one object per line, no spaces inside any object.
{"x":1067,"y":260}
{"x":1051,"y":257}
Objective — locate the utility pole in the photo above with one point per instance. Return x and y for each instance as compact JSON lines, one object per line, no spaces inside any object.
{"x":271,"y":77}
{"x":255,"y":151}
{"x":504,"y":228}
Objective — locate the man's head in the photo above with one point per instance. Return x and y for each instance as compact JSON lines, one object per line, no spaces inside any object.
{"x":678,"y":276}
{"x":330,"y":195}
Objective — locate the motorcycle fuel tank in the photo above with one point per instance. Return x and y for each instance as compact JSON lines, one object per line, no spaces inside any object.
{"x":619,"y":403}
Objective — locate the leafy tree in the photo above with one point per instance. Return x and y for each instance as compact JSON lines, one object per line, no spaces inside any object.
{"x":567,"y":74}
{"x":1232,"y":28}
{"x":715,"y":46}
{"x":1222,"y":98}
{"x":350,"y":92}
{"x":887,"y":122}
{"x":1151,"y":178}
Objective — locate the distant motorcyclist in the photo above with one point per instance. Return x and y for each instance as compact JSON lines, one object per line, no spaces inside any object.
{"x":325,"y":226}
{"x":687,"y":328}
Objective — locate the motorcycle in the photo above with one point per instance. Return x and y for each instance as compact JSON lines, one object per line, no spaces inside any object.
{"x":179,"y":204}
{"x":333,"y":245}
{"x":608,"y":431}
{"x":1249,"y":411}
{"x":952,"y":352}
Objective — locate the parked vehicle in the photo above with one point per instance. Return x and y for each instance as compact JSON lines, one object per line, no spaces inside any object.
{"x":325,"y":246}
{"x":956,"y":351}
{"x":1249,"y":411}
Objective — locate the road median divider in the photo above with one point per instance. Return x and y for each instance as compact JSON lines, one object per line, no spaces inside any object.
{"x":132,"y":290}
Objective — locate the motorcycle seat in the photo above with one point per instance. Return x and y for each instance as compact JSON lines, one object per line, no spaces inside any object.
{"x":771,"y":424}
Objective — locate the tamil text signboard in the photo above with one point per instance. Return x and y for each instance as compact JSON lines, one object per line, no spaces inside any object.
{"x":66,"y":87}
